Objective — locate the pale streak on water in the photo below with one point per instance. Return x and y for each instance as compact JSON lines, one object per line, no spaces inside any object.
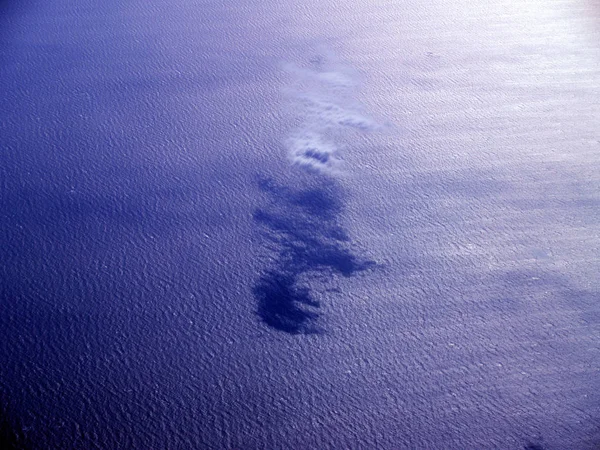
{"x":150,"y":217}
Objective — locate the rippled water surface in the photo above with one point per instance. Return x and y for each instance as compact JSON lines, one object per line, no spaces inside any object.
{"x":313,"y":224}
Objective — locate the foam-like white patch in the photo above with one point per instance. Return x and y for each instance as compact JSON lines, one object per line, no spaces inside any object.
{"x":328,"y":113}
{"x":337,"y":79}
{"x":323,"y":98}
{"x":311,"y":151}
{"x":332,"y":78}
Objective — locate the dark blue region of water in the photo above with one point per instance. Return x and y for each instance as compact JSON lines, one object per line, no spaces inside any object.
{"x":304,"y":226}
{"x":107,"y":191}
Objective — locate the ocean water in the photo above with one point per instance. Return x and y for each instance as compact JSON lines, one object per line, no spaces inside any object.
{"x":298,"y":225}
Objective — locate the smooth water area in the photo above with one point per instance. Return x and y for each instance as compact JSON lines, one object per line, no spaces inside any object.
{"x":295,"y":225}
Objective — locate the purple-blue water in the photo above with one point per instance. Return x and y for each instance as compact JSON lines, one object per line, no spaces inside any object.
{"x":298,"y":225}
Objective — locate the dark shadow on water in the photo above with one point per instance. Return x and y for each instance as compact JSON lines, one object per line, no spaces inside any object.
{"x":303,"y":226}
{"x":281,"y":304}
{"x":532,"y":446}
{"x":11,"y":438}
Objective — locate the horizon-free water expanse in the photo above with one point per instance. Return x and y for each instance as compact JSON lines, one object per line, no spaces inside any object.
{"x":300,"y":225}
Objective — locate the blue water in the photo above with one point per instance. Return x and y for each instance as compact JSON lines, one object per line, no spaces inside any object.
{"x":267,"y":225}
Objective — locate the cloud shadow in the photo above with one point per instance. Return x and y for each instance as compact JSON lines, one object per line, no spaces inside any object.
{"x":303,"y":227}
